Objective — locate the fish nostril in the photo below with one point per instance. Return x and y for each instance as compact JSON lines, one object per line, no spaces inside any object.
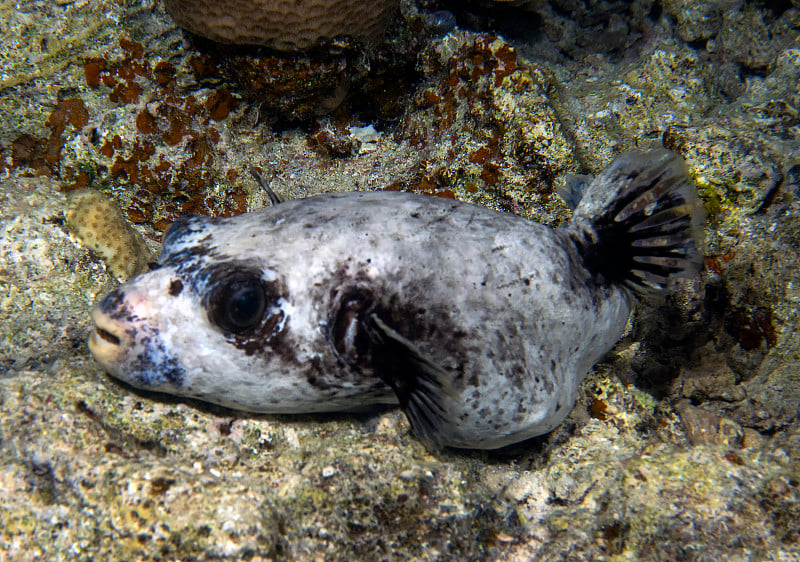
{"x":107,"y":336}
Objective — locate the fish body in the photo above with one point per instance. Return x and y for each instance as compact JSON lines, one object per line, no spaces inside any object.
{"x":479,"y":324}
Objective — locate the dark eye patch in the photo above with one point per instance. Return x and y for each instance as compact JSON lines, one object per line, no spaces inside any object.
{"x":239,"y":303}
{"x":244,"y":306}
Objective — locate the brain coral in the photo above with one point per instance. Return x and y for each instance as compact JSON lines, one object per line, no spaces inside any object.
{"x":282,"y":24}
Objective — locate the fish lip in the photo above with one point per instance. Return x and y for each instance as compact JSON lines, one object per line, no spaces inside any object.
{"x":107,"y":342}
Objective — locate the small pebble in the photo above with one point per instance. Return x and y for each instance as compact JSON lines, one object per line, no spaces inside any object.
{"x":440,"y":22}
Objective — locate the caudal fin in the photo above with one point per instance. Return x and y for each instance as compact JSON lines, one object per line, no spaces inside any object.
{"x":640,"y":222}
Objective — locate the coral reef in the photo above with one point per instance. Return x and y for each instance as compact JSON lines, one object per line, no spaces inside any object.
{"x":283,"y":24}
{"x":685,"y":440}
{"x":100,"y":225}
{"x":299,"y":59}
{"x":487,"y":124}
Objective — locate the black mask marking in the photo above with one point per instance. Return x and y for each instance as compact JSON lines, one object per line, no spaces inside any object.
{"x":238,"y":305}
{"x":245,"y":307}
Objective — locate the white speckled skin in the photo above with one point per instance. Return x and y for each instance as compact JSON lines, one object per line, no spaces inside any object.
{"x":503,"y":314}
{"x":533,"y":320}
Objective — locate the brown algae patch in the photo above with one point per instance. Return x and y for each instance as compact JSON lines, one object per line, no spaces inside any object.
{"x":99,"y":223}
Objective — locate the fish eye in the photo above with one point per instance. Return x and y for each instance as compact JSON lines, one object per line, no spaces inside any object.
{"x":239,"y":305}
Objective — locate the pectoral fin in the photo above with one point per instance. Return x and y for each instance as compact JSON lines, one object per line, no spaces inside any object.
{"x":422,"y":386}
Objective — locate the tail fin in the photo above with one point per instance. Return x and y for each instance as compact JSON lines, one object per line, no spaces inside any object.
{"x":640,"y":221}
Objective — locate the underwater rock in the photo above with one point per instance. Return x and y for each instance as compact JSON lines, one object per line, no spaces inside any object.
{"x":696,"y":21}
{"x":440,"y":22}
{"x":289,"y":87}
{"x":46,"y":277}
{"x":101,"y":226}
{"x":489,"y":127}
{"x":705,"y":428}
{"x":282,"y":24}
{"x":731,"y":165}
{"x":149,"y":478}
{"x":579,"y":28}
{"x":294,"y":83}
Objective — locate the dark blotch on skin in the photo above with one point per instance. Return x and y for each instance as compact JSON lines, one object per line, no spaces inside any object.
{"x":175,"y":287}
{"x":114,"y":305}
{"x":221,"y":273}
{"x":147,"y":368}
{"x":355,"y":305}
{"x":187,"y":262}
{"x":352,"y":295}
{"x":265,"y":338}
{"x":185,"y":226}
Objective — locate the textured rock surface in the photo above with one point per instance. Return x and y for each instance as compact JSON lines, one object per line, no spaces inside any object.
{"x":283,"y":24}
{"x":37,"y":255}
{"x":685,"y":443}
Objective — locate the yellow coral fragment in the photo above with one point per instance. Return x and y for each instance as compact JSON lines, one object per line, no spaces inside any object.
{"x":99,"y":223}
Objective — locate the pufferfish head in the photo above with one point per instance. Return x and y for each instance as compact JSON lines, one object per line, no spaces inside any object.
{"x":206,"y":325}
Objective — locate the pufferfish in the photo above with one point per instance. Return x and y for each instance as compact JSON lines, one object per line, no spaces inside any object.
{"x":479,"y":324}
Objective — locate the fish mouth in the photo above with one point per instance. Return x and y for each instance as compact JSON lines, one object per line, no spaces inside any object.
{"x":104,"y":334}
{"x":107,"y":341}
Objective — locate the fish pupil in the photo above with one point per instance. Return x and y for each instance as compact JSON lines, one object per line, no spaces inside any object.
{"x":247,"y":306}
{"x":241,"y":307}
